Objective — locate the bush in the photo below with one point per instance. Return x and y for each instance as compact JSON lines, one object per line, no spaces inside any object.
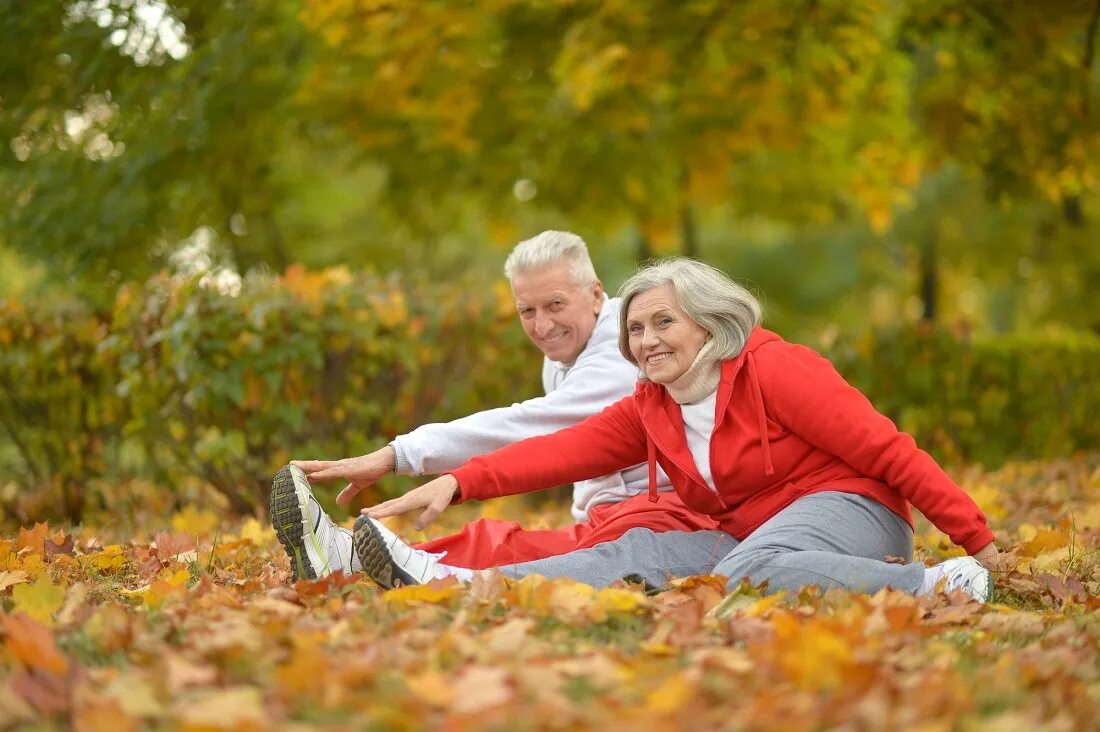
{"x":981,"y":399}
{"x":184,"y":386}
{"x":180,"y":382}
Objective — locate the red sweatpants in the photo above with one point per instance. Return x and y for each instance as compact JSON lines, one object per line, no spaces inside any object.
{"x":489,"y":543}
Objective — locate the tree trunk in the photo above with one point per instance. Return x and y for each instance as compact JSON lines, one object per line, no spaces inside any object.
{"x":929,"y":278}
{"x":644,"y":247}
{"x":689,"y":233}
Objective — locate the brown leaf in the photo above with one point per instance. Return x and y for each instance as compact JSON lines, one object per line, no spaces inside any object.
{"x":45,"y":692}
{"x":170,"y":546}
{"x":9,"y":578}
{"x":180,"y":673}
{"x":318,"y":588}
{"x":13,"y":709}
{"x":59,"y":543}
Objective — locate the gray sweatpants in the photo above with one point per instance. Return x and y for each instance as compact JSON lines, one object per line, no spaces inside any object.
{"x":826,"y":539}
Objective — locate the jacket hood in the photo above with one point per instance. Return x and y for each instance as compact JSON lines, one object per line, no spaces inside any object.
{"x":656,"y":394}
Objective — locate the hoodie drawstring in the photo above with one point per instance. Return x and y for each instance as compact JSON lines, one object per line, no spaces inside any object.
{"x":761,"y":418}
{"x":651,"y":458}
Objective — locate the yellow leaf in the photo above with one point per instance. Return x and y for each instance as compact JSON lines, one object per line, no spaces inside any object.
{"x":1045,"y":540}
{"x":432,"y":593}
{"x":569,"y":600}
{"x":256,"y":533}
{"x":988,"y":499}
{"x":194,"y":521}
{"x":670,"y":697}
{"x":431,"y":688}
{"x":109,"y":559}
{"x":763,"y":605}
{"x":40,"y":600}
{"x":618,"y":600}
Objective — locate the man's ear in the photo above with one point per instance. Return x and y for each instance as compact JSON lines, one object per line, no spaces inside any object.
{"x":597,"y":293}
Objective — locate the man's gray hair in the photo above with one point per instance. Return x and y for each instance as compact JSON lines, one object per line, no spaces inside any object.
{"x":550,"y":248}
{"x":724,"y":308}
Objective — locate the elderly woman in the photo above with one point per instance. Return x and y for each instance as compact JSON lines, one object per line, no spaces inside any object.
{"x":808,"y":483}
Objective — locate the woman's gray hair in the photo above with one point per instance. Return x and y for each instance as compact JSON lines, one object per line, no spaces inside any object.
{"x":724,"y":308}
{"x":550,"y":248}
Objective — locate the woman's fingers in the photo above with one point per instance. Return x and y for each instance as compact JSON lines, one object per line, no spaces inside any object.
{"x":332,"y":472}
{"x":394,"y":506}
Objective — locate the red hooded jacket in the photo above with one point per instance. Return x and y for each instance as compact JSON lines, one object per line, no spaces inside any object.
{"x":786,"y":425}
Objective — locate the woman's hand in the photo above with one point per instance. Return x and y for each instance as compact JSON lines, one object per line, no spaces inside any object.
{"x":989,"y":556}
{"x":360,"y":472}
{"x":434,"y":497}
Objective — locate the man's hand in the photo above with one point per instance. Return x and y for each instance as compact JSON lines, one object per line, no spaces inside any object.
{"x":360,"y":472}
{"x":434,"y":497}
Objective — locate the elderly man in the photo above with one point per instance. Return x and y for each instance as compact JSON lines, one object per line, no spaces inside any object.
{"x":565,"y":313}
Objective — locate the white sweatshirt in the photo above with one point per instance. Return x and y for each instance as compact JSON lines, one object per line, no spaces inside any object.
{"x":599,"y":377}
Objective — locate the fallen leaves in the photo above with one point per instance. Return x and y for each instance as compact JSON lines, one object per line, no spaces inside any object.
{"x":198,"y":628}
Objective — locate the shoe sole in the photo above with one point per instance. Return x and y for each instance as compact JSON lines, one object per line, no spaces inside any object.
{"x":987,"y":595}
{"x":288,"y":517}
{"x":374,"y":555}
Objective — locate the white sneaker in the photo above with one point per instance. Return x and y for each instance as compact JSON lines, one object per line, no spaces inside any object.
{"x":962,"y":573}
{"x":317,"y":547}
{"x":390,"y":562}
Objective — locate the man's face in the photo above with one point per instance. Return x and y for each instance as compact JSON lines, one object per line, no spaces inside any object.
{"x":557,"y":314}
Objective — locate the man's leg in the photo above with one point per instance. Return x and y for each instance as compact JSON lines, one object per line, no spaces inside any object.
{"x":830,"y":540}
{"x":655,"y":556}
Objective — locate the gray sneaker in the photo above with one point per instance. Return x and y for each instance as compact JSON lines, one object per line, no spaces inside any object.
{"x":389,"y":561}
{"x":316,"y":546}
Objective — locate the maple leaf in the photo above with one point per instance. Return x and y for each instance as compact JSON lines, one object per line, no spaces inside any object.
{"x":171,"y":546}
{"x":34,"y":538}
{"x":59,"y":543}
{"x":40,"y":600}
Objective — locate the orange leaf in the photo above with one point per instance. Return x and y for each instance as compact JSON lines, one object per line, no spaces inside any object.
{"x":32,"y":643}
{"x":33,"y":538}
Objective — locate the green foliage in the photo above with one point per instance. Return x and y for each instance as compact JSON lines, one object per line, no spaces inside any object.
{"x":978,"y":398}
{"x":181,"y":383}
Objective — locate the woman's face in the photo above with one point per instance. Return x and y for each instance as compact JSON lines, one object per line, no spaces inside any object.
{"x":663,"y":339}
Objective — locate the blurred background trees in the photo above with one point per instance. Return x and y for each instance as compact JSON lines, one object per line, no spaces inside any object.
{"x":864,"y":163}
{"x":936,"y":159}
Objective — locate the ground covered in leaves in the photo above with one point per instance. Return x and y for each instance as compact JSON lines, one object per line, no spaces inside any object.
{"x":193,"y":625}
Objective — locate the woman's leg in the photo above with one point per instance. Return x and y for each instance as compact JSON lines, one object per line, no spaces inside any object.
{"x":653,"y":555}
{"x":830,"y":540}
